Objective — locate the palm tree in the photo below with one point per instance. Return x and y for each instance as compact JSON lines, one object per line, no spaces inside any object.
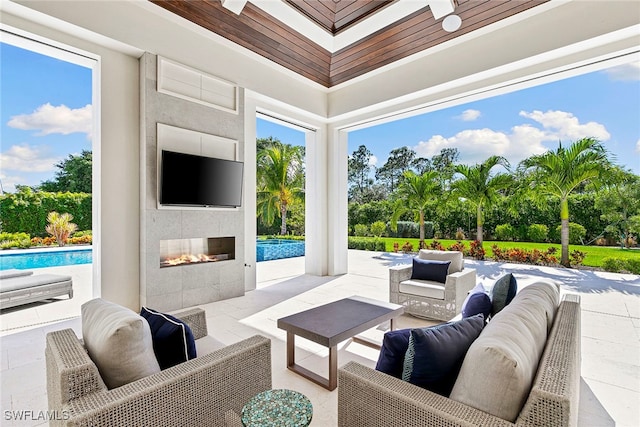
{"x":280,"y":181}
{"x":480,"y":187}
{"x":414,"y":193}
{"x":559,"y":173}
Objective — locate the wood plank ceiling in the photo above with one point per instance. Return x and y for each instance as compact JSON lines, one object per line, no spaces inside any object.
{"x":261,"y":33}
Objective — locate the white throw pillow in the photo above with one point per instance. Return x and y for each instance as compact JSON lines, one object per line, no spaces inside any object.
{"x":118,"y":341}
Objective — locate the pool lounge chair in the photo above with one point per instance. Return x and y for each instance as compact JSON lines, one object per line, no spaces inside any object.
{"x":18,"y":287}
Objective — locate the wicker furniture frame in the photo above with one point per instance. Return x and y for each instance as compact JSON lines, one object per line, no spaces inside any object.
{"x":456,"y":288}
{"x":367,"y":397}
{"x":200,"y":392}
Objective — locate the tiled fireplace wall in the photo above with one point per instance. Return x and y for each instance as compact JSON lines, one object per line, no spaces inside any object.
{"x":192,"y":284}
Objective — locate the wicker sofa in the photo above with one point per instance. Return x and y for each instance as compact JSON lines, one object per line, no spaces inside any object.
{"x":209,"y":390}
{"x":368,"y":398}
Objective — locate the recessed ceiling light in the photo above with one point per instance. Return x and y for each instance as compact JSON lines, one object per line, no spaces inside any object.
{"x":451,"y":23}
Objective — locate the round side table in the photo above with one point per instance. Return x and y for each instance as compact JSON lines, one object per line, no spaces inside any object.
{"x":277,"y":408}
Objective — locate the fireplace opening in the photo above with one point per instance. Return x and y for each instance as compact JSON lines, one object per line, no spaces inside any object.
{"x":178,"y":252}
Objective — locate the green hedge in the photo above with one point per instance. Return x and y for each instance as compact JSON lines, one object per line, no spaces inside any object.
{"x":366,"y":243}
{"x":26,"y":211}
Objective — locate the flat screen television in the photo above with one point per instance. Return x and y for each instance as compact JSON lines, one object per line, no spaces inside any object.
{"x":192,"y":180}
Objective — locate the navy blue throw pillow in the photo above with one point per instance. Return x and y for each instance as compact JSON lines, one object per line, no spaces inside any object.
{"x":173,"y":341}
{"x":394,"y":347}
{"x":435,"y":355}
{"x":477,"y":302}
{"x":426,"y":269}
{"x":503,"y":292}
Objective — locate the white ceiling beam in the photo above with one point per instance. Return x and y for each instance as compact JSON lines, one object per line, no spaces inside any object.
{"x":441,"y":8}
{"x":234,"y":6}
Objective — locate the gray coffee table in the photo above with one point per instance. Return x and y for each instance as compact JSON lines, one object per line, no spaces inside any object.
{"x":332,"y":323}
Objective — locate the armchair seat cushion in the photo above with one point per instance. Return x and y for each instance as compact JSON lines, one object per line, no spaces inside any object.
{"x":423,"y":288}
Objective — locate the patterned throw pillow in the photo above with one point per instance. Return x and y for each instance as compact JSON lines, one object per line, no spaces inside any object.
{"x":503,"y":292}
{"x":173,"y":341}
{"x":434,"y":355}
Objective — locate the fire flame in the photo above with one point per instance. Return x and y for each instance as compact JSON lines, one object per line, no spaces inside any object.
{"x":188,"y":259}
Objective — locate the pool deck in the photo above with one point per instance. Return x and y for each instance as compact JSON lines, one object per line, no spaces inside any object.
{"x":610,"y":328}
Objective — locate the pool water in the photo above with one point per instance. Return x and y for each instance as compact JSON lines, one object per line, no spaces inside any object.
{"x":270,"y":249}
{"x":36,"y":258}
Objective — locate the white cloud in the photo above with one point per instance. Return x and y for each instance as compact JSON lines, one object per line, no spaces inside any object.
{"x":476,"y":145}
{"x":26,"y":158}
{"x":522,"y":141}
{"x":625,"y":72}
{"x":469,"y":115}
{"x":565,"y":127}
{"x":373,"y":160}
{"x":61,"y":119}
{"x":638,"y":146}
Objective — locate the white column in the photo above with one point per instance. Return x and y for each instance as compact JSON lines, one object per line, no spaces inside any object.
{"x":316,"y":239}
{"x":337,"y":203}
{"x":249,"y":203}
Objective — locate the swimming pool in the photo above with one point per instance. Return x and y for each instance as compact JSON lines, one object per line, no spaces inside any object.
{"x":271,"y":249}
{"x":41,"y":258}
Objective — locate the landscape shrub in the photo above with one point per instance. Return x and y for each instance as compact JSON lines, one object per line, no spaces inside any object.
{"x":576,"y":257}
{"x":407,"y":247}
{"x":366,"y":243}
{"x":406,"y":230}
{"x":633,"y":266}
{"x":534,"y":256}
{"x":505,"y":232}
{"x":576,"y":233}
{"x":378,"y":228}
{"x":476,"y":250}
{"x":60,"y":226}
{"x":459,"y":247}
{"x":436,"y":245}
{"x":538,"y":233}
{"x":360,"y":230}
{"x":614,"y":265}
{"x":14,"y":240}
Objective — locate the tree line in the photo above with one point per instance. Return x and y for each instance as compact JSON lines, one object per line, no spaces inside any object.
{"x":412,"y":188}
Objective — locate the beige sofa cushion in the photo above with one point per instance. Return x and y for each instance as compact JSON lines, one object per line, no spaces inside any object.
{"x":118,"y":341}
{"x":499,"y":368}
{"x":457,"y":261}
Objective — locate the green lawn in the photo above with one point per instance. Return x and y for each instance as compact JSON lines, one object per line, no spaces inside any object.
{"x":595,"y":254}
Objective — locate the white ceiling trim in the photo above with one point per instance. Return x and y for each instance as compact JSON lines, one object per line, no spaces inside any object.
{"x":305,"y":26}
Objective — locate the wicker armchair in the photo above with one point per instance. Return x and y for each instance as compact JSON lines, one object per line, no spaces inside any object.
{"x":200,"y":392}
{"x":432,"y":300}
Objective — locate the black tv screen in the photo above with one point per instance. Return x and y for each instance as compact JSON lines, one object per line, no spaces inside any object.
{"x":191,"y":180}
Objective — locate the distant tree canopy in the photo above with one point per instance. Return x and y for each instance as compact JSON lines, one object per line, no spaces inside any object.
{"x":73,"y":175}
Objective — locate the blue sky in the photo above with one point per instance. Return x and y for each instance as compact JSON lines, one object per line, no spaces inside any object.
{"x":45,"y":110}
{"x":603,"y":104}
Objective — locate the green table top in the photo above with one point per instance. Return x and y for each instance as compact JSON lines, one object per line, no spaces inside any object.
{"x":277,"y":408}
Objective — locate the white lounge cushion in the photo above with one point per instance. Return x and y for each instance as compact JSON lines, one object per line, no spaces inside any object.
{"x":423,"y":288}
{"x":499,"y":368}
{"x":24,"y":282}
{"x":118,"y":341}
{"x":14,"y":272}
{"x":457,"y":261}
